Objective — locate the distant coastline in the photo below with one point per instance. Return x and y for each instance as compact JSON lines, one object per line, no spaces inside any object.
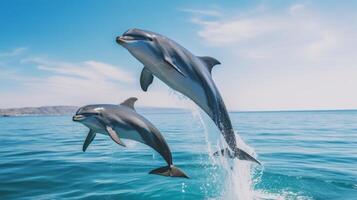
{"x":43,"y":110}
{"x":70,"y":110}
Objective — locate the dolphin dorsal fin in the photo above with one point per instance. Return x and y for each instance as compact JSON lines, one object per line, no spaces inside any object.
{"x":209,"y":61}
{"x":129,"y":102}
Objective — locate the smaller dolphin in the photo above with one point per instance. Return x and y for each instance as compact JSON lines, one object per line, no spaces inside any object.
{"x":122,"y":121}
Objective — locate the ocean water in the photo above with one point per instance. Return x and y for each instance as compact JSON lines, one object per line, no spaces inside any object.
{"x":305,"y":155}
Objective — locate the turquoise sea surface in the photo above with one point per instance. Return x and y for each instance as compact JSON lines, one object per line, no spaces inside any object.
{"x":305,"y":155}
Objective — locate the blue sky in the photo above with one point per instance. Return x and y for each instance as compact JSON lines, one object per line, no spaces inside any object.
{"x":275,"y":55}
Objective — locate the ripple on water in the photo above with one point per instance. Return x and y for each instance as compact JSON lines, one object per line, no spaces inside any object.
{"x":306,"y":155}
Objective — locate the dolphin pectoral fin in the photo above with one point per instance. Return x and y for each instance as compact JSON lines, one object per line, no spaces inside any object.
{"x":209,"y":61}
{"x":114,"y":136}
{"x":167,"y":58}
{"x":171,"y":171}
{"x":146,"y":79}
{"x":90,"y":137}
{"x":130,"y":102}
{"x":238,"y":153}
{"x":169,"y":61}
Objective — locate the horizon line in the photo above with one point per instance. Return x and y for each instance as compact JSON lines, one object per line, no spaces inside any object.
{"x":232,"y":111}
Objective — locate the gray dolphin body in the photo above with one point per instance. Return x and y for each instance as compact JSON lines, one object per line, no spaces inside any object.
{"x":122,"y":121}
{"x":183,"y":72}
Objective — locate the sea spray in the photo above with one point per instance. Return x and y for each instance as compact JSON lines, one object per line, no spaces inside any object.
{"x":238,"y":182}
{"x":227,"y":178}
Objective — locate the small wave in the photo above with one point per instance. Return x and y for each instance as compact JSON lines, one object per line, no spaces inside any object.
{"x":283,"y":195}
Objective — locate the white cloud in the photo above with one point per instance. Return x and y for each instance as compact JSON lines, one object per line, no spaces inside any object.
{"x":77,"y":83}
{"x":296,"y":32}
{"x":14,"y":52}
{"x":223,"y":32}
{"x":212,"y":13}
{"x":296,"y":8}
{"x":92,"y":70}
{"x":293,"y":58}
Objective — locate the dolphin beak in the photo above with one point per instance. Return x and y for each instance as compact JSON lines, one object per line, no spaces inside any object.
{"x":120,"y":40}
{"x":77,"y":118}
{"x":125,"y":39}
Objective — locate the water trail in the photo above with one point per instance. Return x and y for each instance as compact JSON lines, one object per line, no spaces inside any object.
{"x":238,"y":183}
{"x":231,"y":178}
{"x":234,"y":179}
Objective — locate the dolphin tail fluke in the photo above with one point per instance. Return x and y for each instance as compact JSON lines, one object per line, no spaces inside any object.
{"x":169,"y":171}
{"x":238,"y":153}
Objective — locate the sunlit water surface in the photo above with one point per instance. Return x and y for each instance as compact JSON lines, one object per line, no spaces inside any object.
{"x":305,"y":155}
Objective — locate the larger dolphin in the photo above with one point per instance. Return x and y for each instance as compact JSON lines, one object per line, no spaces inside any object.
{"x":122,"y":121}
{"x":184,"y":72}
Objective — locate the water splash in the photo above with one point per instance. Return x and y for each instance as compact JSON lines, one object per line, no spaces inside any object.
{"x":231,"y":178}
{"x":240,"y":183}
{"x":237,"y":180}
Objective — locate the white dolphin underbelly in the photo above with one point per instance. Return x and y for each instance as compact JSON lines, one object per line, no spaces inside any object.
{"x":183,"y":84}
{"x":131,"y":134}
